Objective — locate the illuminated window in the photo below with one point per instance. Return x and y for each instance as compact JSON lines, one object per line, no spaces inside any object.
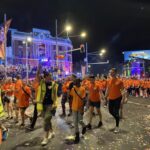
{"x":53,"y":47}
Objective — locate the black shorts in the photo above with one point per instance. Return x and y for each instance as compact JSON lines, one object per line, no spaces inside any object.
{"x":6,"y":99}
{"x":95,"y":104}
{"x":15,"y":100}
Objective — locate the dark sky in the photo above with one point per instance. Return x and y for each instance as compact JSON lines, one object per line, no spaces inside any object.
{"x":117,"y":25}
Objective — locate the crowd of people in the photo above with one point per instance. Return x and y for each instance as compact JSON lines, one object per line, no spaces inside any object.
{"x":42,"y":93}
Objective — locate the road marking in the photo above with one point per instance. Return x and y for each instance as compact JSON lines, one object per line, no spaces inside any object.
{"x":139,"y":104}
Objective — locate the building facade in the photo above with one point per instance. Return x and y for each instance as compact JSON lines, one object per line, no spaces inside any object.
{"x":136,"y":63}
{"x":42,"y":49}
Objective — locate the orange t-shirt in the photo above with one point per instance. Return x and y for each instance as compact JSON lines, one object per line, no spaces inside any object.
{"x":24,"y":101}
{"x":114,"y":88}
{"x":136,"y":83}
{"x":94,"y":92}
{"x":4,"y":87}
{"x":148,"y":82}
{"x":9,"y":87}
{"x":65,"y":87}
{"x":18,"y":86}
{"x":77,"y":103}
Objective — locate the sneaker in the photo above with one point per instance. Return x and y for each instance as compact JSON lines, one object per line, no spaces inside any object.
{"x":84,"y":130}
{"x":16,"y":121}
{"x":62,"y":115}
{"x":100,"y":124}
{"x":22,"y":125}
{"x":51,"y":135}
{"x":77,"y":138}
{"x":44,"y":142}
{"x":94,"y":114}
{"x":89,"y":126}
{"x":11,"y":117}
{"x":116,"y":130}
{"x":29,"y":128}
{"x":69,"y":114}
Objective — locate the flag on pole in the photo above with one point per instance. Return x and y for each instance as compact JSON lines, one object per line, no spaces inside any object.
{"x":83,"y":70}
{"x":2,"y":45}
{"x":3,"y":33}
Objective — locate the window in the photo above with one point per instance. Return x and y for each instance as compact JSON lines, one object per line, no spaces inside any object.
{"x":53,"y":47}
{"x":60,"y":48}
{"x":69,"y":48}
{"x":20,"y":52}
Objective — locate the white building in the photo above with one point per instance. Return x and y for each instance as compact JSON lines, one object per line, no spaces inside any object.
{"x":42,"y":49}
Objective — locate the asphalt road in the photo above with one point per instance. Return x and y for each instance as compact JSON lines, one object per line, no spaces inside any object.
{"x":134,"y":132}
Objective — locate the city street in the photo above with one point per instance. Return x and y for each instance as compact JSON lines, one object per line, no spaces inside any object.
{"x":134,"y":133}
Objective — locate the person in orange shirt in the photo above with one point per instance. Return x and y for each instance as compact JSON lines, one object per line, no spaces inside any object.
{"x":114,"y":95}
{"x":23,"y":102}
{"x":94,"y":100}
{"x":34,"y":88}
{"x":137,"y":86}
{"x":64,"y":96}
{"x":78,"y":95}
{"x":85,"y":83}
{"x":10,"y":96}
{"x":17,"y":93}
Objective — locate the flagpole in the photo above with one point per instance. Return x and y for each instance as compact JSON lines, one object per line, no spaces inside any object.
{"x":5,"y":44}
{"x":57,"y":63}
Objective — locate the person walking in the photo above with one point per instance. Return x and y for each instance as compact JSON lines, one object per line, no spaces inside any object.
{"x":114,"y":95}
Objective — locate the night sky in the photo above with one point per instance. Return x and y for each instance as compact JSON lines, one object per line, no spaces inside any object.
{"x":116,"y":25}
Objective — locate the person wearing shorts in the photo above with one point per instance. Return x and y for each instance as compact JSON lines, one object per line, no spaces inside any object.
{"x":94,"y":101}
{"x":9,"y":96}
{"x":48,"y":99}
{"x":17,"y":94}
{"x":64,"y":97}
{"x":23,"y":102}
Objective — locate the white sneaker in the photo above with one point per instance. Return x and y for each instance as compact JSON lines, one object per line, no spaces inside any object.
{"x":116,"y":130}
{"x":44,"y":142}
{"x":51,"y":135}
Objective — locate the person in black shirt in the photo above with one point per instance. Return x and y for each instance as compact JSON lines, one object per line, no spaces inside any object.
{"x":47,"y":101}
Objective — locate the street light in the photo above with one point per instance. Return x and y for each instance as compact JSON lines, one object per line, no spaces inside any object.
{"x":83,"y":34}
{"x":103,"y":51}
{"x":28,"y":40}
{"x":68,"y":28}
{"x":101,"y":54}
{"x":89,"y":66}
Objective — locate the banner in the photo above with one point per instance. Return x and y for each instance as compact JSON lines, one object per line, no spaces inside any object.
{"x":3,"y":33}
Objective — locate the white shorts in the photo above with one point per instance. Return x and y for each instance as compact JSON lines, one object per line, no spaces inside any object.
{"x":11,"y":98}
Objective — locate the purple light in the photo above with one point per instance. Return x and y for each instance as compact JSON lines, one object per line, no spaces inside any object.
{"x":136,"y":69}
{"x":44,"y":60}
{"x":67,"y":72}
